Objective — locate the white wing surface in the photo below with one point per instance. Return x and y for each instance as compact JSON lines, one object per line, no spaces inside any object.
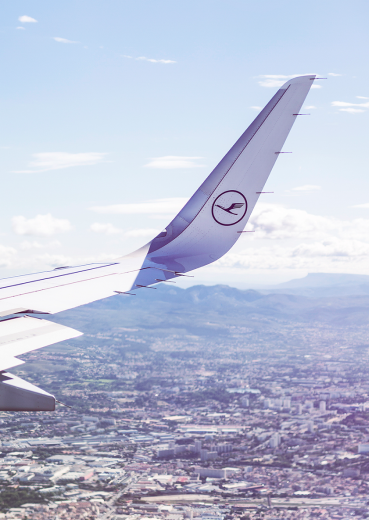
{"x":202,"y":232}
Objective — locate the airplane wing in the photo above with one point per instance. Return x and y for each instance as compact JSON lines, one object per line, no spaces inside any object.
{"x":202,"y":232}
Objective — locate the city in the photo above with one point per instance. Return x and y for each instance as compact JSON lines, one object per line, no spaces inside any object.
{"x":211,"y":420}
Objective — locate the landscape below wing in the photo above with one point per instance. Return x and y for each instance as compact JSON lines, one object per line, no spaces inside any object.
{"x":202,"y":232}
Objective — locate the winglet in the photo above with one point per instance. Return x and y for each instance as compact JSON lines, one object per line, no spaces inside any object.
{"x":204,"y":230}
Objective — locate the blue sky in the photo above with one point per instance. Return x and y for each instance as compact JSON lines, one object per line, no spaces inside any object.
{"x":114,"y":112}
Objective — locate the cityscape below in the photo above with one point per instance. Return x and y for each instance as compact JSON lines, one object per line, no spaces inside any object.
{"x":206,"y":403}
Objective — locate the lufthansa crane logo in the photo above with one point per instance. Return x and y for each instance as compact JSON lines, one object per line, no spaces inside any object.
{"x":229,"y":208}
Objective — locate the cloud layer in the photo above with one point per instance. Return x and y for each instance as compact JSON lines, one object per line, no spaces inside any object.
{"x":43,"y":162}
{"x":106,"y":229}
{"x":307,"y":187}
{"x":7,"y":255}
{"x":173,"y":162}
{"x":284,"y":239}
{"x":158,"y":206}
{"x":41,"y":225}
{"x":300,"y":240}
{"x":144,"y":233}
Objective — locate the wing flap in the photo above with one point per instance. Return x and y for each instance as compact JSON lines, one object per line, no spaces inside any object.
{"x":24,"y":334}
{"x":20,"y":396}
{"x":9,"y":362}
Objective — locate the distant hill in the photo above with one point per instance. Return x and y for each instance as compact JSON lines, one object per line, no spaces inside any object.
{"x":325,"y":280}
{"x":323,"y":285}
{"x":213,"y":309}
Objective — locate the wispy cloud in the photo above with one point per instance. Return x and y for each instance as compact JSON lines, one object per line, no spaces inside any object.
{"x":272,"y":80}
{"x":365,"y":205}
{"x":109,"y":229}
{"x":21,"y":28}
{"x":334,"y":74}
{"x":47,"y":161}
{"x":173,"y":162}
{"x":256,"y":107}
{"x":277,"y":80}
{"x":41,"y":225}
{"x":158,"y":206}
{"x":345,"y":104}
{"x":63,"y":40}
{"x":7,"y":256}
{"x":307,"y":187}
{"x":151,"y":60}
{"x":351,"y":108}
{"x":362,"y":97}
{"x":26,"y":245}
{"x":142,"y":233}
{"x":310,"y":107}
{"x":27,"y":19}
{"x":106,"y":229}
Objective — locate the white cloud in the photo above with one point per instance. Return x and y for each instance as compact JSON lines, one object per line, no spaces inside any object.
{"x":21,"y":28}
{"x":47,"y":161}
{"x":171,"y":162}
{"x":26,"y":19}
{"x":331,"y":255}
{"x":273,"y":81}
{"x":351,"y":108}
{"x":307,"y":187}
{"x":151,"y":60}
{"x":150,"y":233}
{"x":366,"y":205}
{"x":345,"y":104}
{"x":7,"y":255}
{"x":310,"y":107}
{"x":332,"y":247}
{"x":362,"y":97}
{"x":158,"y":206}
{"x":41,"y":225}
{"x":256,"y":108}
{"x":37,"y":245}
{"x":107,"y":229}
{"x":63,"y":40}
{"x":274,"y":221}
{"x":333,"y":74}
{"x":277,"y":80}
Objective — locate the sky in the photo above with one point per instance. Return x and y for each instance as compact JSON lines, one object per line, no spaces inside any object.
{"x":113,"y":113}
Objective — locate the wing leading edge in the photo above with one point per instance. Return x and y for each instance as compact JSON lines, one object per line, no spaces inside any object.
{"x":202,"y":232}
